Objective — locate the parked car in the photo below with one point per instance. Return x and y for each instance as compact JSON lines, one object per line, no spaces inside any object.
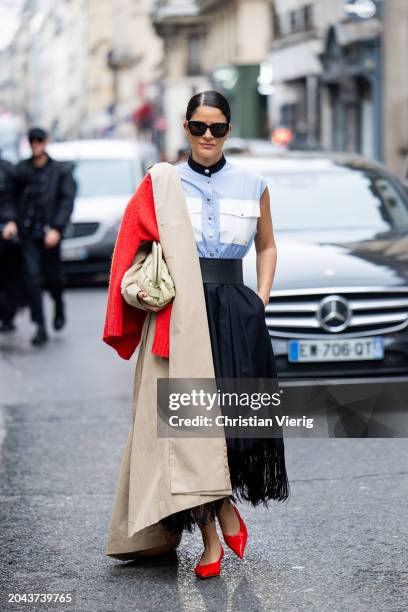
{"x":107,"y":173}
{"x":250,"y":146}
{"x":339,"y":301}
{"x":11,"y":128}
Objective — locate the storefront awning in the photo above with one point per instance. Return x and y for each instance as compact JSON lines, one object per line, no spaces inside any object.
{"x":349,"y":32}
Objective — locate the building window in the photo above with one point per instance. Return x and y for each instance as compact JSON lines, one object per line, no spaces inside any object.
{"x":308,"y":17}
{"x":299,"y":20}
{"x":283,"y":24}
{"x":193,"y":55}
{"x":58,"y":24}
{"x":292,"y":21}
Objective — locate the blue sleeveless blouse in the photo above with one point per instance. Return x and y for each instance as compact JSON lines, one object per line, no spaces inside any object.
{"x":224,"y":206}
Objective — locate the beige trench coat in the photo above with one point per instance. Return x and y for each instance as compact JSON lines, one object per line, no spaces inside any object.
{"x":160,"y":476}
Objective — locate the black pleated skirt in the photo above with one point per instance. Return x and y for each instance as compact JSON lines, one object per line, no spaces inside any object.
{"x":241,"y":348}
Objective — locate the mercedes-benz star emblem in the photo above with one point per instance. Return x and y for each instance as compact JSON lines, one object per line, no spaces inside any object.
{"x":334,"y":313}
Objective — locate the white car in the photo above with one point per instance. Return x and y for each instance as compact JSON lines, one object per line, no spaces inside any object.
{"x":107,"y":173}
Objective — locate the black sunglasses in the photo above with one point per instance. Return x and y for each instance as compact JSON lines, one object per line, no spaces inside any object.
{"x":199,"y":128}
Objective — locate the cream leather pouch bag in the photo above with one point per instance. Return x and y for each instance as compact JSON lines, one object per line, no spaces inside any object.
{"x":151,"y":276}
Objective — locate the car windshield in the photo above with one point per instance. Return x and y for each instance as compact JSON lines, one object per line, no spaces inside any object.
{"x":104,"y":177}
{"x":342,"y":199}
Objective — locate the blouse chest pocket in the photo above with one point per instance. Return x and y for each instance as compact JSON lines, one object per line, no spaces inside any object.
{"x":195,"y":206}
{"x":238,"y":220}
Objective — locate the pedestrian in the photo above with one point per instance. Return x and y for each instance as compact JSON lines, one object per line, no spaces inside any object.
{"x":10,"y":263}
{"x":206,"y":212}
{"x":182,"y":154}
{"x":46,"y":191}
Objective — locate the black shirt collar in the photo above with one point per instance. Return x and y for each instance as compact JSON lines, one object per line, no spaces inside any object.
{"x":47,"y":163}
{"x":206,"y":170}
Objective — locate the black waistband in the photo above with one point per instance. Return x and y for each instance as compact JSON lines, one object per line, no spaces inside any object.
{"x":221,"y":271}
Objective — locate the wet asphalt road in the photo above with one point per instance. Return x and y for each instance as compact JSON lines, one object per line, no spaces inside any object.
{"x":338,"y":544}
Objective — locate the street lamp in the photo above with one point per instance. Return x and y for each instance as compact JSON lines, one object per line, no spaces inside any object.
{"x":265,"y":79}
{"x":364,"y":9}
{"x":226,"y":75}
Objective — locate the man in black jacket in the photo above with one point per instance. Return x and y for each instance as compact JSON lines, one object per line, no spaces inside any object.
{"x":46,"y":192}
{"x":10,"y":268}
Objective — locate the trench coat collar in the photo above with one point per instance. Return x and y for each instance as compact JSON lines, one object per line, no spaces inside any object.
{"x":188,"y":321}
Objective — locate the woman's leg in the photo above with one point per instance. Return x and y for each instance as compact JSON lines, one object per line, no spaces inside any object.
{"x":227,"y":518}
{"x":211,"y":541}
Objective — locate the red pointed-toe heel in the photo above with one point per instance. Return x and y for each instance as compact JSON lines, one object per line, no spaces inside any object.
{"x":237,"y":542}
{"x":210,"y":569}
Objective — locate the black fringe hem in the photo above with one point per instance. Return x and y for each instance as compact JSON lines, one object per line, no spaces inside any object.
{"x":187,"y":520}
{"x":257,"y":477}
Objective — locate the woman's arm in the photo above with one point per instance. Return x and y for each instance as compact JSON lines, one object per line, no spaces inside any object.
{"x":266,"y":254}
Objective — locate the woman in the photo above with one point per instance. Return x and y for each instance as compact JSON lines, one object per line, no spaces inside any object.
{"x":228,"y":208}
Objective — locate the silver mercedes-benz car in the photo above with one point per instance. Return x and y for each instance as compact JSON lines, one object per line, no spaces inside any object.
{"x":107,"y":173}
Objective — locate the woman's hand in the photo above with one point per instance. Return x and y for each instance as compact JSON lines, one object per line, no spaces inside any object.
{"x":140,"y":296}
{"x":264,"y":297}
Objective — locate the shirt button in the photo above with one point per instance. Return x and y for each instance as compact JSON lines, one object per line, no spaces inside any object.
{"x":211,"y":235}
{"x":210,"y":218}
{"x":208,"y":199}
{"x":207,"y":171}
{"x":211,"y":254}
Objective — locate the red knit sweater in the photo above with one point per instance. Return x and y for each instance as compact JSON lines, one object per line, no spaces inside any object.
{"x":123,"y":323}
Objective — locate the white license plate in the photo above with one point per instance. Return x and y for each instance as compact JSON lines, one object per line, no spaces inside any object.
{"x":74,"y":254}
{"x":356,"y":349}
